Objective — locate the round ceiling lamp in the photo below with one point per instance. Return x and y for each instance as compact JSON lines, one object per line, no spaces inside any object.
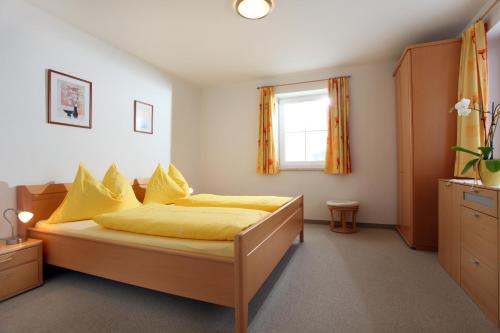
{"x":253,"y":9}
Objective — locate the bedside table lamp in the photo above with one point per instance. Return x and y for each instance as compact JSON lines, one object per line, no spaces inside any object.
{"x":23,"y":216}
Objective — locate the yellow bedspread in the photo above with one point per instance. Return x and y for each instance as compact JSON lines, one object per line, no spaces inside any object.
{"x":265,"y":203}
{"x":207,"y":223}
{"x":88,"y":229}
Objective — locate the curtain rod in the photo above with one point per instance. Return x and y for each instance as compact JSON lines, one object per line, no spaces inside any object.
{"x":290,"y":84}
{"x":488,"y":11}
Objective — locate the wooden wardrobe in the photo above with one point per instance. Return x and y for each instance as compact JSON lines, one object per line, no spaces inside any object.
{"x":426,"y":80}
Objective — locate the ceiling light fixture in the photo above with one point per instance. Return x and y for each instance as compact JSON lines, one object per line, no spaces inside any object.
{"x":253,"y":9}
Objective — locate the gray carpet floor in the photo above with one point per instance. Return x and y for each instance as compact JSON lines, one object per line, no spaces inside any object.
{"x":365,"y":282}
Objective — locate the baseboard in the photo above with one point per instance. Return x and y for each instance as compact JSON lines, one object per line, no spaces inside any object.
{"x":316,"y":221}
{"x":362,"y":225}
{"x":377,"y":226}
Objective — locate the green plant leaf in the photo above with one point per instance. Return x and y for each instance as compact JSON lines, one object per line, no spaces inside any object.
{"x":463,"y":150}
{"x":492,"y":165}
{"x":486,"y":151}
{"x":469,"y":165}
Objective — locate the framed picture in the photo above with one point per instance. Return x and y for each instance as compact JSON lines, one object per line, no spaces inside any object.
{"x":69,"y":100}
{"x":143,"y":117}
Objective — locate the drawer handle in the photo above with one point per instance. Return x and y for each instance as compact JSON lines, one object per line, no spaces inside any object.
{"x":473,"y":190}
{"x":476,"y":262}
{"x":447,"y":184}
{"x":475,"y":214}
{"x":5,"y":260}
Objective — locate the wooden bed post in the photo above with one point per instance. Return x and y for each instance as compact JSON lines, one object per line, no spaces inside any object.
{"x":301,"y":237}
{"x":240,"y":301}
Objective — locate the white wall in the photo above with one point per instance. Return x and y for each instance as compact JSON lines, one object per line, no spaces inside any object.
{"x":228,"y":145}
{"x":494,"y":76}
{"x":35,"y":152}
{"x":494,"y":69}
{"x":186,"y":103}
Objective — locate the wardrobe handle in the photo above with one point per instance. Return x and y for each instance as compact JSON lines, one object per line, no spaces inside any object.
{"x":476,"y":262}
{"x":476,"y":214}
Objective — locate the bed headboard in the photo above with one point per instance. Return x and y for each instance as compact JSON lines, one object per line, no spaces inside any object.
{"x":42,"y":200}
{"x":139,"y":185}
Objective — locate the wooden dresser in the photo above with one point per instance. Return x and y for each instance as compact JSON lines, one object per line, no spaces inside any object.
{"x":468,"y":240}
{"x":20,"y":267}
{"x":426,"y":87}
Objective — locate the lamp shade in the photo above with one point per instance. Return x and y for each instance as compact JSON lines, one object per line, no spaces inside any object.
{"x":24,"y":216}
{"x":253,"y":9}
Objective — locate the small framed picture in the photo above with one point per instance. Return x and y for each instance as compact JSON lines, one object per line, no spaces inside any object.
{"x":69,"y":100}
{"x":143,"y":117}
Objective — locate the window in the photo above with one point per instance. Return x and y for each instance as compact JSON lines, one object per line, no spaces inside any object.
{"x":303,"y":129}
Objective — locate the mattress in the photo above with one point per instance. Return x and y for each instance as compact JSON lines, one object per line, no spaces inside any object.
{"x":90,"y":230}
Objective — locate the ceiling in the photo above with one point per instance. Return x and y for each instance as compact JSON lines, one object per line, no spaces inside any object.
{"x":207,"y":43}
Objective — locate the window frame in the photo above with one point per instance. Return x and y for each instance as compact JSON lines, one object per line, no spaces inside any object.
{"x":298,"y":96}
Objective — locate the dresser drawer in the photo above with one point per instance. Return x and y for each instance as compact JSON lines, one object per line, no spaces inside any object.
{"x":479,"y":236}
{"x":481,"y":283}
{"x":480,"y":199}
{"x":15,"y":258}
{"x":19,"y":278}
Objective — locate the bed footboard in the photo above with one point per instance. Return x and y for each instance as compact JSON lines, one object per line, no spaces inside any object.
{"x":259,"y":249}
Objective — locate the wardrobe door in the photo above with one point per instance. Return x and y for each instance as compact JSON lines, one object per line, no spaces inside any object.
{"x":399,"y":139}
{"x":434,"y":90}
{"x":405,"y":150}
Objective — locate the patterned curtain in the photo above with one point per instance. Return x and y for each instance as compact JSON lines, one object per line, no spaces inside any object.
{"x":472,"y":84}
{"x":267,"y":158}
{"x":338,"y":152}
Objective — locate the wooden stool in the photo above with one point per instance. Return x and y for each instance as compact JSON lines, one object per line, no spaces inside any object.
{"x":343,"y":206}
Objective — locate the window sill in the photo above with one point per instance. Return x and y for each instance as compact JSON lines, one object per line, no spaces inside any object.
{"x":302,"y":169}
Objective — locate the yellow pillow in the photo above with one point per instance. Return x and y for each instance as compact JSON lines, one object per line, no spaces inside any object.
{"x":120,"y":186}
{"x":178,"y":178}
{"x":163,"y":188}
{"x":87,"y":198}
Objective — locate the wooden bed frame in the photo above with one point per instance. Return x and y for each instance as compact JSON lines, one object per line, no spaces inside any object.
{"x":220,"y":280}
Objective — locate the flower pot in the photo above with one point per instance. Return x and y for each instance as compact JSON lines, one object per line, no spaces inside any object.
{"x":489,"y":176}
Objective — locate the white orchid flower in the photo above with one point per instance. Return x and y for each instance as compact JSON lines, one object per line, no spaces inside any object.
{"x":462,"y":107}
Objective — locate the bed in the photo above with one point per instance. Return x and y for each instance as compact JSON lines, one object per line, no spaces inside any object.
{"x":228,"y":280}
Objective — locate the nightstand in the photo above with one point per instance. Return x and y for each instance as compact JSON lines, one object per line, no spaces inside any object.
{"x":21,"y":267}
